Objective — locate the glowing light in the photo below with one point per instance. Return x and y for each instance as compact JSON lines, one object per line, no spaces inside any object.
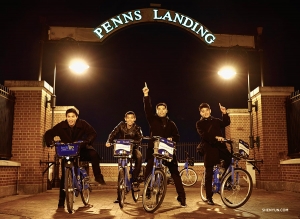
{"x":227,"y":72}
{"x":78,"y":66}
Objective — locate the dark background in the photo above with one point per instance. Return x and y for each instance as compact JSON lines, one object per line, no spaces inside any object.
{"x":178,"y":68}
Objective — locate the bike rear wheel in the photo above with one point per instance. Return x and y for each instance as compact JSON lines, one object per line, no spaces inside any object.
{"x":85,"y":192}
{"x":154,"y":196}
{"x":188,"y":177}
{"x":69,"y":190}
{"x":121,"y":187}
{"x":236,"y":192}
{"x":202,"y":188}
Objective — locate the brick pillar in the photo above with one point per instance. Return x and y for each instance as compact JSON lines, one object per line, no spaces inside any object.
{"x":31,"y":120}
{"x":269,"y":123}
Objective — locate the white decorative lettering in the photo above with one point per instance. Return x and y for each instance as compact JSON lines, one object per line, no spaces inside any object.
{"x":129,"y":17}
{"x":138,"y":15}
{"x":209,"y":38}
{"x":186,"y":21}
{"x":155,"y":15}
{"x":178,"y":17}
{"x":98,"y":32}
{"x":107,"y":27}
{"x":194,"y":27}
{"x":117,"y":21}
{"x":201,"y":29}
{"x":168,"y":16}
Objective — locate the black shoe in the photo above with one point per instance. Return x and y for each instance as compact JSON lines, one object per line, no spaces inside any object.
{"x":99,"y":179}
{"x":210,"y":202}
{"x":116,"y":201}
{"x":181,"y":201}
{"x":61,"y":205}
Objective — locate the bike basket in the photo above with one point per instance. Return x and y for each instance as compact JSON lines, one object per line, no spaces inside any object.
{"x":164,"y":148}
{"x":123,"y":148}
{"x":241,"y":148}
{"x":63,"y":150}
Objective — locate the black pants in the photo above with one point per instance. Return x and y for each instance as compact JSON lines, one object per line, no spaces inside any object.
{"x":85,"y":154}
{"x":212,"y":157}
{"x":137,"y":156}
{"x":173,"y":167}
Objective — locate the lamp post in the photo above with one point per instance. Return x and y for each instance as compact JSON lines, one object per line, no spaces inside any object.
{"x":228,"y":72}
{"x":79,"y":67}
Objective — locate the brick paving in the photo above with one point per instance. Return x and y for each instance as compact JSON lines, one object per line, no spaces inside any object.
{"x":262,"y":204}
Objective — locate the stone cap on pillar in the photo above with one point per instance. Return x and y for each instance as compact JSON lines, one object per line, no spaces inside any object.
{"x":28,"y":85}
{"x":272,"y":91}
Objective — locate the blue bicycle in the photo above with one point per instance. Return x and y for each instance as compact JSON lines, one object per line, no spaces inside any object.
{"x":156,"y":184}
{"x":234,"y":185}
{"x":76,"y":179}
{"x":123,"y":151}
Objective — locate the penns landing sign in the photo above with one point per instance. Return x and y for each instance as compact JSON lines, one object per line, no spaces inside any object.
{"x":146,"y":15}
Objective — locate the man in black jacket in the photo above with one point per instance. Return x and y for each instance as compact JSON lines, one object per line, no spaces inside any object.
{"x":129,"y":130}
{"x":210,"y":131}
{"x":70,"y":130}
{"x":161,"y":125}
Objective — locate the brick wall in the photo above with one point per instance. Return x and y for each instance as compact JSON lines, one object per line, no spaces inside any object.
{"x":29,"y":126}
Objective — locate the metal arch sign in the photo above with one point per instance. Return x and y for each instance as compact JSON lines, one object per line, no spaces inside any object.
{"x":137,"y":16}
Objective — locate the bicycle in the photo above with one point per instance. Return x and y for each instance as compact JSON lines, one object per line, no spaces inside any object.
{"x":188,"y":176}
{"x":123,"y":151}
{"x":234,"y":185}
{"x":156,"y":184}
{"x":76,"y":179}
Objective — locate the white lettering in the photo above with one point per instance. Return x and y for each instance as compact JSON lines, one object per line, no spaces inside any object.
{"x":194,"y":27}
{"x":168,"y":16}
{"x":186,"y":21}
{"x":209,"y":38}
{"x":138,"y":15}
{"x":115,"y":21}
{"x":98,"y":32}
{"x":201,"y":29}
{"x":129,"y":17}
{"x":177,"y":17}
{"x":107,"y":27}
{"x":155,"y":15}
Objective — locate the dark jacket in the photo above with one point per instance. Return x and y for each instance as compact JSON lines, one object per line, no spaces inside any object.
{"x":122,"y":132}
{"x":208,"y":129}
{"x":157,"y":127}
{"x":81,"y":131}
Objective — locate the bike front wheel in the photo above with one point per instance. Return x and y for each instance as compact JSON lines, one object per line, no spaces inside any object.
{"x":188,"y":177}
{"x":85,"y":192}
{"x":154,"y":195}
{"x":202,"y":188}
{"x":236,"y":191}
{"x":121,"y":187}
{"x":69,"y":190}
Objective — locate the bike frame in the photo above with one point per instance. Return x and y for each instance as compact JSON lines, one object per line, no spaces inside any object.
{"x":124,"y":165}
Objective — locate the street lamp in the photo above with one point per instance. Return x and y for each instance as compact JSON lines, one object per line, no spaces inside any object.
{"x":229,"y":72}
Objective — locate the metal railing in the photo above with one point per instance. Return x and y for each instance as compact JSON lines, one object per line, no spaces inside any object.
{"x":107,"y":153}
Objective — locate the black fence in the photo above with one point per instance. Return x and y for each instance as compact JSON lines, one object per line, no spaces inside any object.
{"x":107,"y":153}
{"x":7,"y":102}
{"x":293,"y":124}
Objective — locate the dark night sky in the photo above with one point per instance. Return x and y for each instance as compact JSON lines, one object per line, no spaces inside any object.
{"x":178,"y":68}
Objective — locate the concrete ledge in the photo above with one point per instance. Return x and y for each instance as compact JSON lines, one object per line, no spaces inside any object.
{"x":292,"y":186}
{"x":8,"y":190}
{"x":270,"y":185}
{"x":8,"y":163}
{"x":291,"y":161}
{"x":26,"y":189}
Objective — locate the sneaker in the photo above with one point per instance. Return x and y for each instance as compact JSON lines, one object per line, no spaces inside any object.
{"x":99,"y":179}
{"x":210,"y":202}
{"x":181,"y":202}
